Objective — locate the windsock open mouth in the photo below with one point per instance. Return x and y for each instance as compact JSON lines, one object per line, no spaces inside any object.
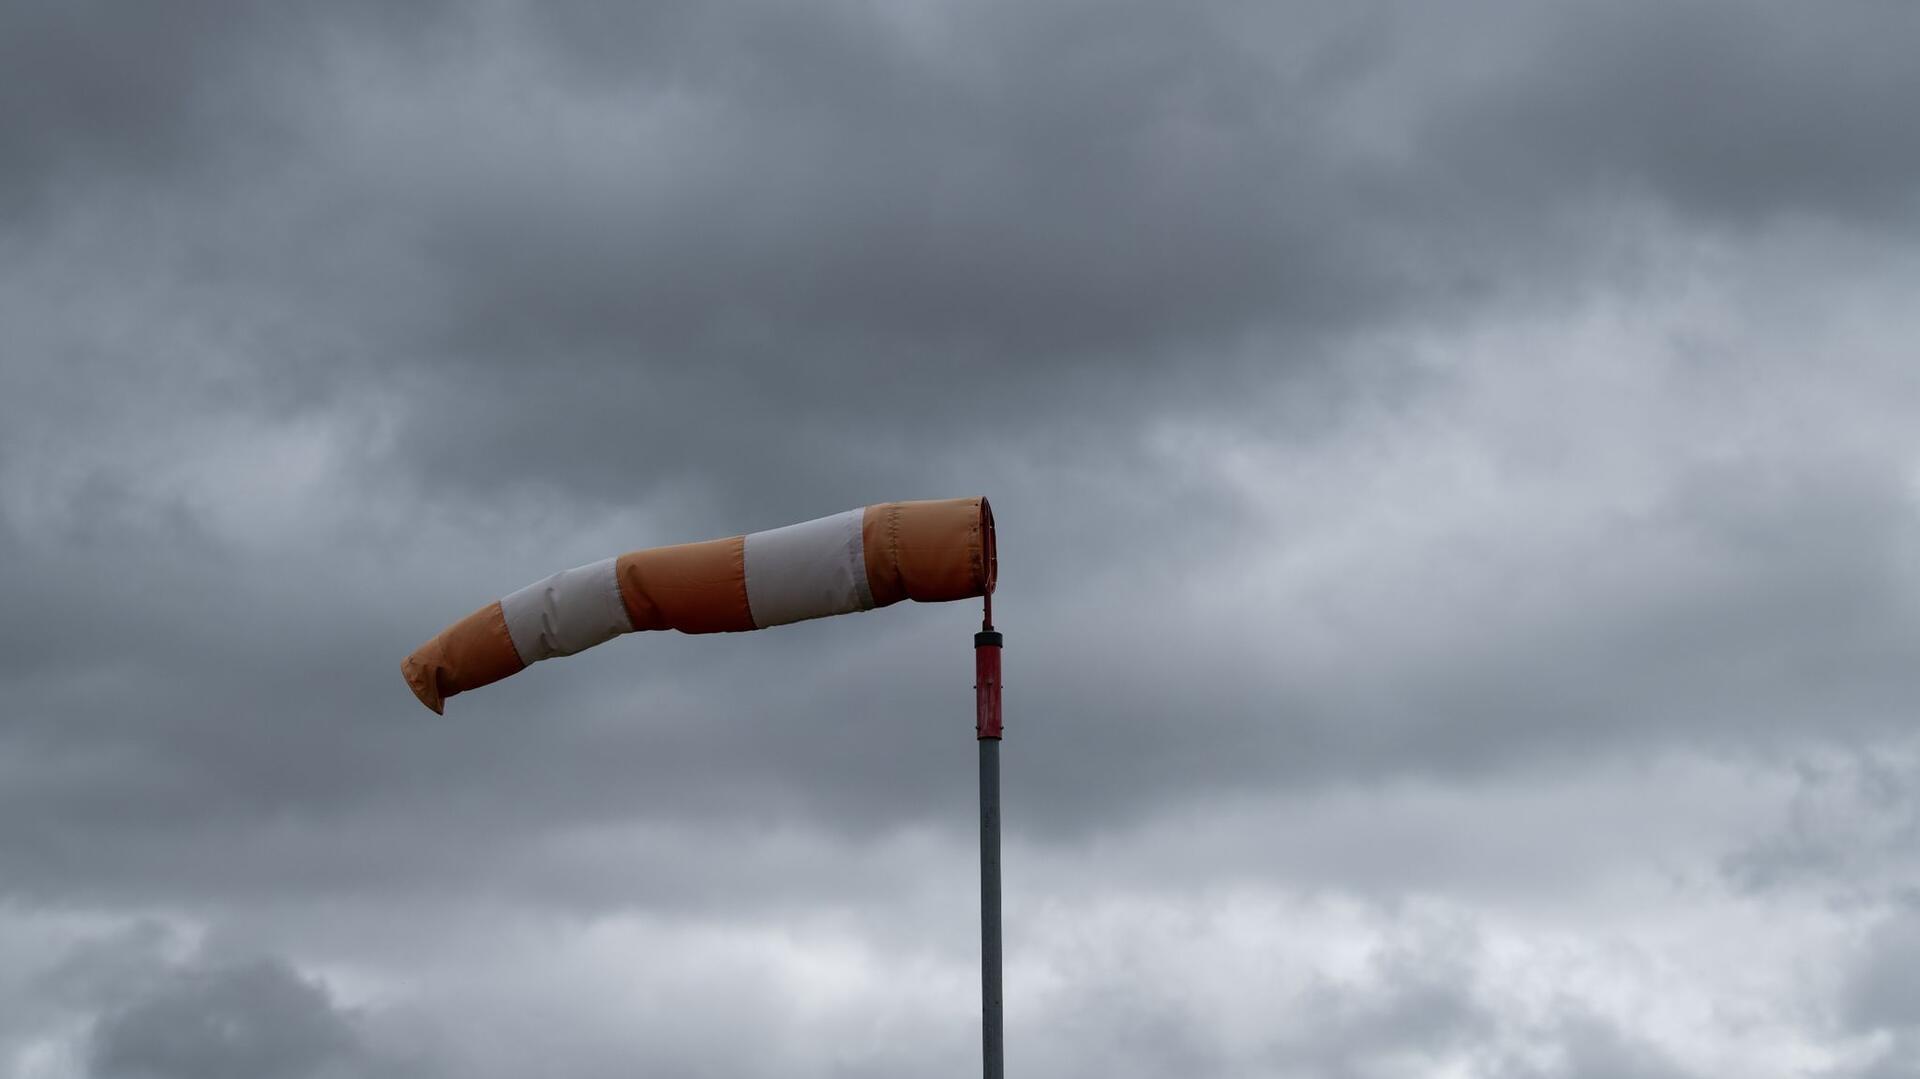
{"x":992,"y":546}
{"x":855,"y":561}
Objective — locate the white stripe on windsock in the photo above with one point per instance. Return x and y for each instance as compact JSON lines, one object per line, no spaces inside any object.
{"x":808,"y":570}
{"x":568,"y":612}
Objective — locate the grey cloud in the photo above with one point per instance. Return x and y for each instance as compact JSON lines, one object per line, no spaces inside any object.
{"x":1884,"y":991}
{"x":1420,"y":1006}
{"x":1741,"y":113}
{"x":1595,"y":1049}
{"x":105,"y":96}
{"x":946,"y":235}
{"x":1895,"y":1063}
{"x":300,"y":767}
{"x":258,"y":1020}
{"x":152,"y":1005}
{"x":1422,"y":1012}
{"x":1880,"y":994}
{"x":100,"y":90}
{"x":944,"y":260}
{"x":940,"y":258}
{"x":1845,"y":831}
{"x":324,"y":325}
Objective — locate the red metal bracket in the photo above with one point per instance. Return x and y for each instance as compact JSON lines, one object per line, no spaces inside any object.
{"x":986,"y":684}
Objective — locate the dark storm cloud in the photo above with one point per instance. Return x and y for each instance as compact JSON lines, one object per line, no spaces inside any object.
{"x":1596,"y":1049}
{"x":866,"y":260}
{"x":1424,"y":1011}
{"x":842,"y":185}
{"x":1884,"y":990}
{"x":95,"y":89}
{"x":1417,"y":1007}
{"x":1848,"y":826}
{"x":1733,"y":112}
{"x":1017,"y":220}
{"x":951,"y":228}
{"x":152,"y":1008}
{"x":255,"y":1020}
{"x":101,"y":95}
{"x":324,"y":324}
{"x":1881,"y":994}
{"x":844,"y":229}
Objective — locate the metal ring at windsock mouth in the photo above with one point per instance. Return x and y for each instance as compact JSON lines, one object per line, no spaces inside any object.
{"x":989,"y":547}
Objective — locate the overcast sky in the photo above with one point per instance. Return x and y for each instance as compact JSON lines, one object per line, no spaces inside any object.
{"x":1458,"y":477}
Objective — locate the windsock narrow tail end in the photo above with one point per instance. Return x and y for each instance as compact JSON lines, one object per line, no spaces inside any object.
{"x":471,"y":653}
{"x":422,"y":685}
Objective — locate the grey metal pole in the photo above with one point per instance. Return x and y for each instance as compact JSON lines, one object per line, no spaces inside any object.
{"x":986,"y":651}
{"x":990,"y":1026}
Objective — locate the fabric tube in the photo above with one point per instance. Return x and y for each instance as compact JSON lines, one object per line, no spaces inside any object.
{"x":854,"y":561}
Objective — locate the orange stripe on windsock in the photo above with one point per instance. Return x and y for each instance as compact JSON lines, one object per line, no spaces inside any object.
{"x":854,"y":561}
{"x":466,"y":655}
{"x":928,"y":551}
{"x":694,"y":587}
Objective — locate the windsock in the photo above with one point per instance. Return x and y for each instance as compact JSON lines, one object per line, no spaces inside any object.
{"x":853,"y":561}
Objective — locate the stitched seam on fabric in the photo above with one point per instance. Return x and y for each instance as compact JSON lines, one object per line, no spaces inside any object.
{"x":857,"y":564}
{"x":618,"y":600}
{"x":979,"y":545}
{"x":746,"y":600}
{"x":893,"y":551}
{"x":500,"y":606}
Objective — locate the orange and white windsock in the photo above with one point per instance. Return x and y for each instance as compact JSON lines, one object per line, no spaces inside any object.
{"x":853,"y":561}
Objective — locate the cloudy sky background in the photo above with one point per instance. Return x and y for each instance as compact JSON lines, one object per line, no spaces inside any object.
{"x":1459,"y":498}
